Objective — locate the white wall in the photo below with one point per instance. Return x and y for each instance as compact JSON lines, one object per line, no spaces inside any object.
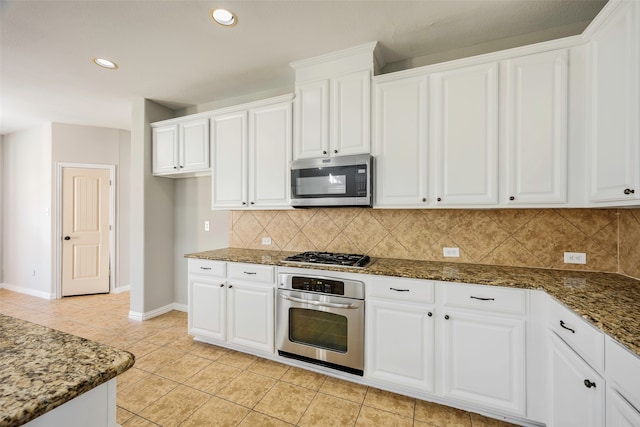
{"x":105,"y":146}
{"x":152,"y":217}
{"x":192,"y":209}
{"x":26,"y":221}
{"x":1,"y":198}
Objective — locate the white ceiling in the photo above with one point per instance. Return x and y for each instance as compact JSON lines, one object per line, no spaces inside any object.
{"x":171,"y":52}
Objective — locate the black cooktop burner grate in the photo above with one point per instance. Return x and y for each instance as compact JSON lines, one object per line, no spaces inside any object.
{"x":329,"y":258}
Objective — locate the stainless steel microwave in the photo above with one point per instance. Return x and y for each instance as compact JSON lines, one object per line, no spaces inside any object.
{"x":332,"y":181}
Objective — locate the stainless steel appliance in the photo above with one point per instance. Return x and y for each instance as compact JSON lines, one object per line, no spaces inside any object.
{"x":328,"y":258}
{"x":332,"y":181}
{"x":320,"y":320}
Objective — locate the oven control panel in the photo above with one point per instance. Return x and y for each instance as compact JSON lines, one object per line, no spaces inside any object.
{"x":314,"y":284}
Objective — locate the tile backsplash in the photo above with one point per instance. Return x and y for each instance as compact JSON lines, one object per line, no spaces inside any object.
{"x":515,"y":237}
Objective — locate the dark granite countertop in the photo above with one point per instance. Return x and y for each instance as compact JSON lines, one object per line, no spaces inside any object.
{"x":609,"y":301}
{"x":42,"y":368}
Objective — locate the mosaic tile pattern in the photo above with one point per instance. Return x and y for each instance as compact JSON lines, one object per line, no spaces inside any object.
{"x":511,"y":237}
{"x":630,"y":242}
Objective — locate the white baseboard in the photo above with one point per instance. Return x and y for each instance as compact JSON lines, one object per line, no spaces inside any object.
{"x":136,"y":315}
{"x":27,"y":291}
{"x":121,"y":289}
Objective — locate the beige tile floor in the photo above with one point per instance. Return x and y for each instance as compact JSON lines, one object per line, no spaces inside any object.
{"x":179,"y":382}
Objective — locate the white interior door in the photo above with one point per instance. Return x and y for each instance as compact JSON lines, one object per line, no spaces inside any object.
{"x":85,"y":231}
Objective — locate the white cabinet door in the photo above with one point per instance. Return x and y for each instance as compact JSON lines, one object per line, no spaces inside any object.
{"x":269,"y":155}
{"x":194,"y":145}
{"x":311,"y":128}
{"x":484,"y":360}
{"x":207,"y":307}
{"x":577,"y":391}
{"x":614,"y":155}
{"x":535,"y":123}
{"x":251,"y":315}
{"x":350,"y":107}
{"x":464,"y":129}
{"x":400,"y":344}
{"x":165,"y":149}
{"x":229,"y":160}
{"x":619,"y":412}
{"x":401,"y":142}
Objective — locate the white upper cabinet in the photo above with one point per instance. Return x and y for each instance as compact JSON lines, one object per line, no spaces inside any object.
{"x":535,"y":128}
{"x":229,"y":155}
{"x":400,"y":146}
{"x":165,"y":149}
{"x":251,"y":150}
{"x":312,"y":120}
{"x":464,"y":131}
{"x":181,"y":147}
{"x":333,"y":103}
{"x":614,"y":135}
{"x":350,"y":120}
{"x":269,"y":155}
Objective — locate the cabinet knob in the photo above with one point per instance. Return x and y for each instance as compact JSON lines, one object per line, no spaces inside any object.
{"x":629,"y":191}
{"x":181,"y":166}
{"x":244,"y":203}
{"x":230,"y":286}
{"x":324,"y":152}
{"x":429,"y":314}
{"x":253,"y":203}
{"x":222,"y":285}
{"x":512,"y":198}
{"x":439,"y":199}
{"x":335,"y":151}
{"x":424,"y":199}
{"x":446,"y":317}
{"x":589,"y":384}
{"x":175,"y":167}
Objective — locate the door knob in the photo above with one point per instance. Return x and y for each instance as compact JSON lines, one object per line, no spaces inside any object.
{"x":67,"y":238}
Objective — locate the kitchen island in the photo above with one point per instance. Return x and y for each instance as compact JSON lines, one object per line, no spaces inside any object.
{"x":607,"y":300}
{"x":62,"y":378}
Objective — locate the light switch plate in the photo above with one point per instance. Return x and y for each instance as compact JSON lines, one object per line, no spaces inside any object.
{"x":206,"y":226}
{"x":266,"y":241}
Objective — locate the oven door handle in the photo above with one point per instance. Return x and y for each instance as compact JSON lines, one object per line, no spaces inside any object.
{"x":318,"y":303}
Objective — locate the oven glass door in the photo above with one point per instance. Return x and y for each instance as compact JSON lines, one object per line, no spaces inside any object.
{"x":333,"y":181}
{"x":320,"y":329}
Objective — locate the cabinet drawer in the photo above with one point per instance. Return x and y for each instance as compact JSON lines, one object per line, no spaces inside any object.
{"x":400,"y":289}
{"x":207,"y":268}
{"x":586,"y":340}
{"x":252,"y":272}
{"x":489,"y":298}
{"x":623,"y":367}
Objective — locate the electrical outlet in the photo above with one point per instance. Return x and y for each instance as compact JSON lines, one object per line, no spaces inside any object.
{"x":575,"y":258}
{"x":206,"y":226}
{"x":266,"y":241}
{"x":451,"y":252}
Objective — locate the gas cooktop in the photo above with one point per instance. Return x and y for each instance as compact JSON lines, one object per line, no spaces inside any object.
{"x":329,"y":258}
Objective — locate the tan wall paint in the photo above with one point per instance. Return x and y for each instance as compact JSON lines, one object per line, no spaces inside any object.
{"x":514,"y":237}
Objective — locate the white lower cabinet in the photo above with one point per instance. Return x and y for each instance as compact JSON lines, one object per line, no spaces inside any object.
{"x":576,"y":390}
{"x":620,"y":413}
{"x":250,"y":313}
{"x":230,"y":308}
{"x":207,"y":307}
{"x":400,"y":343}
{"x":483,"y":359}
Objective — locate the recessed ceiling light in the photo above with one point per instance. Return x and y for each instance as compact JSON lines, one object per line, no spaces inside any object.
{"x":223,"y":17}
{"x":105,"y":63}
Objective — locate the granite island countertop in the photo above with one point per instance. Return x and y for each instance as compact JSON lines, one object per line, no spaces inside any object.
{"x":609,"y":301}
{"x":42,"y":368}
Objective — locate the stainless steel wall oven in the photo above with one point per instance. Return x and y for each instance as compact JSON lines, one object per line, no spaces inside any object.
{"x":321,"y":320}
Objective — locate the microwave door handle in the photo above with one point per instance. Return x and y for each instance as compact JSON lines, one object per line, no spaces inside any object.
{"x":318,"y":303}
